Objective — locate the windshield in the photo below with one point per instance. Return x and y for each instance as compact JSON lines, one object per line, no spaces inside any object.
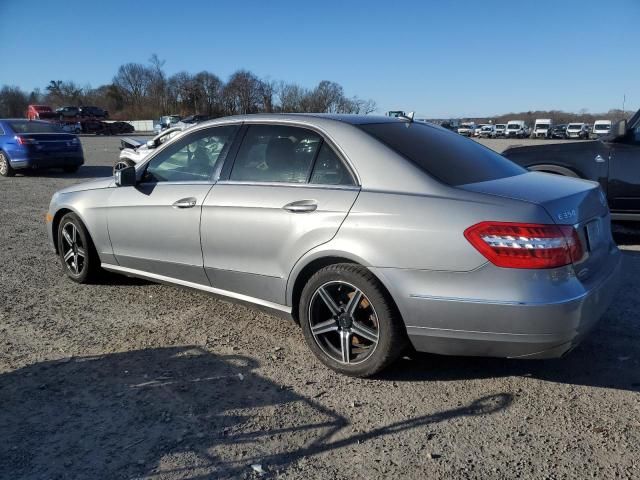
{"x":26,"y":126}
{"x":501,"y":126}
{"x":466,"y":125}
{"x":602,"y":126}
{"x":574,"y":126}
{"x":542,"y":126}
{"x":442,"y":154}
{"x":486,"y":129}
{"x":513,"y":126}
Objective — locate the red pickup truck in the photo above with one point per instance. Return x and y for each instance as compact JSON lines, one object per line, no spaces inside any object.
{"x":40,"y":112}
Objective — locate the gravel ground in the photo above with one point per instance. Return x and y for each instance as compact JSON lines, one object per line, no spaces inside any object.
{"x":129,"y":379}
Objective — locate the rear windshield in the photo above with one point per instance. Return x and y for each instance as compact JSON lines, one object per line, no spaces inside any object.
{"x":442,"y":154}
{"x":34,"y":127}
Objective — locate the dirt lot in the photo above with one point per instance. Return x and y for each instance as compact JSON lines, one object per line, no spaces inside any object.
{"x":129,"y":379}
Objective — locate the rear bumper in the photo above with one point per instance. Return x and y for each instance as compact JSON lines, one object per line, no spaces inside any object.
{"x":500,"y":312}
{"x":50,"y":160}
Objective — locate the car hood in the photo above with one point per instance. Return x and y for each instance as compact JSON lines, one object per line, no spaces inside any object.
{"x":96,"y":184}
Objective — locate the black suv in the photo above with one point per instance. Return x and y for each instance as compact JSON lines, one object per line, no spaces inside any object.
{"x":94,"y":112}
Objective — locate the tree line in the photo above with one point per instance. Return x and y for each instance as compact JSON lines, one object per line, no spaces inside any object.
{"x":142,"y":91}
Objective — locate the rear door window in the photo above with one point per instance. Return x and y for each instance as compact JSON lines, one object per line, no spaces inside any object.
{"x":442,"y":154}
{"x":329,"y":169}
{"x":276,"y":153}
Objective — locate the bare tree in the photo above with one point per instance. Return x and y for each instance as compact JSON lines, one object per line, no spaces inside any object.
{"x":13,"y":102}
{"x":133,"y":80}
{"x":243,"y":92}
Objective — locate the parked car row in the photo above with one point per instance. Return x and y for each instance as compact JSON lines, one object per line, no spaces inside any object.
{"x":543,"y":128}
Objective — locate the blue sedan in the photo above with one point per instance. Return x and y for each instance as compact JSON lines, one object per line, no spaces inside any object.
{"x":33,"y":144}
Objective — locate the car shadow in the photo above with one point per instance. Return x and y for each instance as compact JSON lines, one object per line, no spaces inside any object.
{"x":179,"y":412}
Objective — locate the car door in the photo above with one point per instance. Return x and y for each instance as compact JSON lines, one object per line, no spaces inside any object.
{"x":154,"y":227}
{"x":286,"y":192}
{"x":624,"y":173}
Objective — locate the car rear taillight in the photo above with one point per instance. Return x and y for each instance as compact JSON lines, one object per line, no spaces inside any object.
{"x":526,"y":245}
{"x":25,"y":141}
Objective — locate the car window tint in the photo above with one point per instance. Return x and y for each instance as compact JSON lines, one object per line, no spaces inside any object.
{"x":329,"y":169}
{"x":193,"y":158}
{"x":275,"y":153}
{"x":28,"y":126}
{"x":444,"y":155}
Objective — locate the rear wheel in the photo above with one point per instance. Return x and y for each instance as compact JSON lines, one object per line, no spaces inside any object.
{"x":5,"y":167}
{"x":75,"y":248}
{"x":350,"y":322}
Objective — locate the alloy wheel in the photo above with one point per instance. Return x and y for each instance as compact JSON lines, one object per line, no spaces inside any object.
{"x":74,"y":253}
{"x":343,"y":322}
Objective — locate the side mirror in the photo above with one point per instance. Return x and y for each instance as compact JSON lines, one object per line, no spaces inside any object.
{"x":151,"y":144}
{"x":126,"y":177}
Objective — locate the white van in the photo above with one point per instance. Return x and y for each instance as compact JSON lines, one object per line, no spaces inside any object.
{"x":542,"y":128}
{"x":516,"y":128}
{"x":601,"y":128}
{"x":467,"y":129}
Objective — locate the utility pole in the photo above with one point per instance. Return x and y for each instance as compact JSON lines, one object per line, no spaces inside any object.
{"x":624,"y":100}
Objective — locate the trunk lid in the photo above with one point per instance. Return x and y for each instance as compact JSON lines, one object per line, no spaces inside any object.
{"x":52,"y":142}
{"x":568,"y":201}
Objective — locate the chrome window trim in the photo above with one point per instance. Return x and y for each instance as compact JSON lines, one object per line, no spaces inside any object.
{"x":323,"y":133}
{"x":182,"y":182}
{"x":289,"y":184}
{"x":261,"y":121}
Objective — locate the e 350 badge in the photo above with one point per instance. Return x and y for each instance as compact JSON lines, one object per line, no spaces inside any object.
{"x":569,"y":214}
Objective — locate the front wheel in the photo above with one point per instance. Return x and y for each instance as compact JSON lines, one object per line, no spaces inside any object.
{"x":5,"y":167}
{"x":75,"y":248}
{"x":349,"y":321}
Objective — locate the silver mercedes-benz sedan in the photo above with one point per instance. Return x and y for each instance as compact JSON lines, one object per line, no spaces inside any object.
{"x":375,"y":234}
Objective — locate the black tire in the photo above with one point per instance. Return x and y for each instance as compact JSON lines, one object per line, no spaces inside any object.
{"x":73,"y":169}
{"x":88,"y":265}
{"x":6,"y":170}
{"x":123,"y":163}
{"x":391,"y":334}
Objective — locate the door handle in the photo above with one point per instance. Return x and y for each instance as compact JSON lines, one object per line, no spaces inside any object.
{"x":301,"y":206}
{"x":184,"y":203}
